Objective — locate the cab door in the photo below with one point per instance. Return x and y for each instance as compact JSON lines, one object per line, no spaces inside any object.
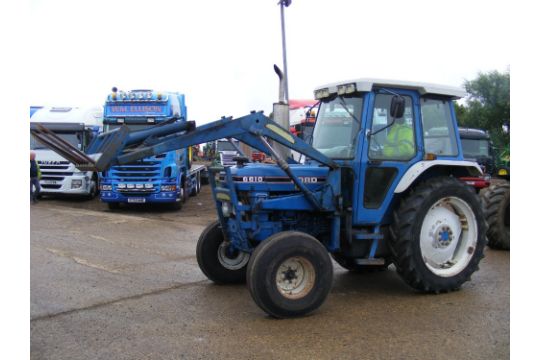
{"x":391,"y":146}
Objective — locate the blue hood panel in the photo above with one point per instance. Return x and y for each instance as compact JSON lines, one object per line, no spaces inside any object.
{"x":269,"y":177}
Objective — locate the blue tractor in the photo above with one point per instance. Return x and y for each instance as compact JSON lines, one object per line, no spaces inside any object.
{"x":379,"y":186}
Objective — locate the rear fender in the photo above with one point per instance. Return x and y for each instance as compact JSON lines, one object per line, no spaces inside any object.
{"x":427,"y":169}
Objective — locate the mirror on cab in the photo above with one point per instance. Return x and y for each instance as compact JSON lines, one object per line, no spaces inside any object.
{"x":397,"y":107}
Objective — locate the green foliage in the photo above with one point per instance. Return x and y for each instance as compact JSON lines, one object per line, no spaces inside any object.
{"x":487,"y":106}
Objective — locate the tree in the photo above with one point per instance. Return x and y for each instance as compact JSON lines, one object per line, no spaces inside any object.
{"x":488,"y":105}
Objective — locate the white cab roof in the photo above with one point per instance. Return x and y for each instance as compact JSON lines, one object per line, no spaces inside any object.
{"x":367,"y":84}
{"x":90,"y":116}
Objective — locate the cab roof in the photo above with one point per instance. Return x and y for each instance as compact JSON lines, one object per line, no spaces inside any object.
{"x":367,"y":84}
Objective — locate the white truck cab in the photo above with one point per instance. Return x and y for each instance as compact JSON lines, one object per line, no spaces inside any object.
{"x":77,"y":126}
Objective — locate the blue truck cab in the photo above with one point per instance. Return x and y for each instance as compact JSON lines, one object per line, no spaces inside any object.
{"x":163,"y":178}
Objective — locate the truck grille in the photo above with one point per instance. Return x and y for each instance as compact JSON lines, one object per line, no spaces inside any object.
{"x":140,"y":171}
{"x":53,"y":170}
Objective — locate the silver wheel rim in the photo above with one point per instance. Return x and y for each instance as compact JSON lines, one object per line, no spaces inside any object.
{"x":448,"y":236}
{"x":295,"y":277}
{"x":236,"y":262}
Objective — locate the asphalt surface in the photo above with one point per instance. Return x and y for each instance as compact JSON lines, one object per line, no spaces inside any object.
{"x":126,"y":285}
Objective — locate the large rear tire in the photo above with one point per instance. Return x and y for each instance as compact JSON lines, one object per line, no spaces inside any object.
{"x":215,"y":259}
{"x":438,"y":235}
{"x":497,"y":208}
{"x":289,"y":274}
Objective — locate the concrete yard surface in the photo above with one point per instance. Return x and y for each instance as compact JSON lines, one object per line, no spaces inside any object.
{"x":126,"y":285}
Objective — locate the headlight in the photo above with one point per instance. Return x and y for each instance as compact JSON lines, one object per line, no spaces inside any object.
{"x":121,"y":186}
{"x":75,"y":184}
{"x":168,"y":187}
{"x":148,"y":186}
{"x":226,"y":209}
{"x":322,"y":93}
{"x":106,"y":187}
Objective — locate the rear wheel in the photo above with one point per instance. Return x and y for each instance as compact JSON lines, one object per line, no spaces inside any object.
{"x":497,"y":206}
{"x":217,"y":260}
{"x":289,"y":274}
{"x":438,"y":235}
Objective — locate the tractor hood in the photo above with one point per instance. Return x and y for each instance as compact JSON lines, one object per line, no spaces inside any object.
{"x":269,"y":177}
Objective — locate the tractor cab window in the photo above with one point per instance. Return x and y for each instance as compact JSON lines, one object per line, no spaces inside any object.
{"x":439,"y":131}
{"x":337,"y":126}
{"x":391,"y":139}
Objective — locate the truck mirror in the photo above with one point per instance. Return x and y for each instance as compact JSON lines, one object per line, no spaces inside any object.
{"x":397,"y":107}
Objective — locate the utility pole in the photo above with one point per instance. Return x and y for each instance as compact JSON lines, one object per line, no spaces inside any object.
{"x":283,"y":4}
{"x":281,"y":108}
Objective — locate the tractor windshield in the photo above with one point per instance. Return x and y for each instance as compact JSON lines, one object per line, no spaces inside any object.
{"x":337,"y":126}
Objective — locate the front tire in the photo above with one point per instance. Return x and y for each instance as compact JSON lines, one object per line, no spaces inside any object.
{"x":438,"y":235}
{"x":215,"y":259}
{"x":289,"y":274}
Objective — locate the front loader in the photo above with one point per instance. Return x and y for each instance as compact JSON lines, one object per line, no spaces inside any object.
{"x":379,"y":186}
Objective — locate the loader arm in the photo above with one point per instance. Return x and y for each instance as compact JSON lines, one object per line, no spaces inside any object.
{"x":121,"y":146}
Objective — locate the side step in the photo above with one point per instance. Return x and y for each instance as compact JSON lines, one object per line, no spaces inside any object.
{"x":374,"y":261}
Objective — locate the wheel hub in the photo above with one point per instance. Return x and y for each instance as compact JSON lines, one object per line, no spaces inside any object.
{"x":447,"y":236}
{"x":443,"y":236}
{"x":230,"y":258}
{"x":295,"y":277}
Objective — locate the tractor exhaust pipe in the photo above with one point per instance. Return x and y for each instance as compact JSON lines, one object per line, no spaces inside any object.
{"x":281,"y":113}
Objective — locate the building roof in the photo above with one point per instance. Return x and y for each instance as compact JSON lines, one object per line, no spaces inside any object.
{"x":366,"y":84}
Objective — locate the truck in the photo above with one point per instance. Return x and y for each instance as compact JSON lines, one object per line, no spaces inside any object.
{"x":227,"y":150}
{"x":364,"y":199}
{"x":78,"y":126}
{"x":169,"y":177}
{"x":477,"y":146}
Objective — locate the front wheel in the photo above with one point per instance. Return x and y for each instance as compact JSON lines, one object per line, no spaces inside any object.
{"x":289,"y":274}
{"x":217,"y":260}
{"x":438,"y":235}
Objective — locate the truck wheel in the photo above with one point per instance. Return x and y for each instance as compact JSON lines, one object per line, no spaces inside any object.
{"x":185,"y":192}
{"x":177,"y":205}
{"x":497,"y":208}
{"x":94,"y":189}
{"x":113,"y":205}
{"x":289,"y":274}
{"x":438,"y":235}
{"x":216,"y":261}
{"x":351,"y":265}
{"x":198,"y":182}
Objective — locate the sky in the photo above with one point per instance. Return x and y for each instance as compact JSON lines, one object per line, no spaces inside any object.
{"x":220,"y":54}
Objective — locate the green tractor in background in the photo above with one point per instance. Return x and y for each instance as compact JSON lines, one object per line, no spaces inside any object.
{"x":477,"y":146}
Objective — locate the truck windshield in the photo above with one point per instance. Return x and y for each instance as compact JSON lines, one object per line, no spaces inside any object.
{"x":337,"y":127}
{"x":72,"y":138}
{"x":225,"y":146}
{"x":473,"y":148}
